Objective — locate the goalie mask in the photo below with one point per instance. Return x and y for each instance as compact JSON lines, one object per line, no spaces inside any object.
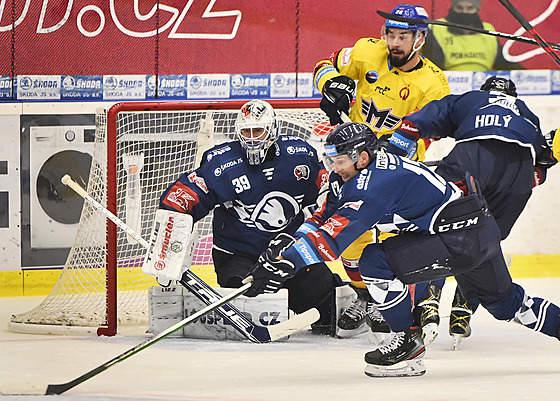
{"x":350,"y":139}
{"x":419,"y":30}
{"x":256,"y":129}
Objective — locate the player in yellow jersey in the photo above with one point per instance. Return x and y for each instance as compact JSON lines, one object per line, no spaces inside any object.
{"x":556,"y":145}
{"x":393,"y":79}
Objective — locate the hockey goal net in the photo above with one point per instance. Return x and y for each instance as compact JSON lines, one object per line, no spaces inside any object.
{"x":140,"y":148}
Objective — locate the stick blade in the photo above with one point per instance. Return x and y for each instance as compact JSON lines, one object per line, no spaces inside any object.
{"x":400,"y":18}
{"x":293,"y":324}
{"x":21,"y":388}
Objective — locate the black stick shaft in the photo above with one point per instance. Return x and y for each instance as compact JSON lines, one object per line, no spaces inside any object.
{"x":61,"y":388}
{"x":507,"y":36}
{"x":529,"y":28}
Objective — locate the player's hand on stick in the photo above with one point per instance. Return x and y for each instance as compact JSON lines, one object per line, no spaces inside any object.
{"x":338,"y":94}
{"x":546,"y":157}
{"x":269,"y":273}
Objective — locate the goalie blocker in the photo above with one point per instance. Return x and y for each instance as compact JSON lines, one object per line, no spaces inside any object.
{"x":172,"y":245}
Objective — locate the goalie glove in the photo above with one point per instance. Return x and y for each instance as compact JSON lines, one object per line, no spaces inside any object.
{"x":269,"y":273}
{"x":338,"y":93}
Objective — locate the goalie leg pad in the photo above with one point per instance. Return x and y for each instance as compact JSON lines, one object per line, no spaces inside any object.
{"x":165,"y":308}
{"x":169,"y":305}
{"x":172,"y":244}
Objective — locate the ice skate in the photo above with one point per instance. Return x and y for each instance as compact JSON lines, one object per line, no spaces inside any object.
{"x":426,"y":313}
{"x":352,"y":321}
{"x":374,"y":319}
{"x":459,"y":320}
{"x":402,"y":356}
{"x":380,"y":331}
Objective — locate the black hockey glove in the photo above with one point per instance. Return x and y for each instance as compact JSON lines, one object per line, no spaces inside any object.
{"x":338,"y":93}
{"x":546,"y":159}
{"x":270,"y":273}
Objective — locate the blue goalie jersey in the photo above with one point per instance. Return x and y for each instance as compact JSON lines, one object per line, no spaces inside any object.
{"x":251,"y":203}
{"x":387,"y":195}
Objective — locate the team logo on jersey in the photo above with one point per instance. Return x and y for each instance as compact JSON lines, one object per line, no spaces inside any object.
{"x":344,"y":56}
{"x":215,"y":152}
{"x":378,"y":119}
{"x":353,"y":205}
{"x":302,"y":172}
{"x":322,"y":179}
{"x":372,"y":76}
{"x":181,"y":196}
{"x":404,"y":93}
{"x":198,"y":181}
{"x":325,"y":249}
{"x":298,"y":149}
{"x":219,"y":170}
{"x":272,"y":213}
{"x":334,"y":225}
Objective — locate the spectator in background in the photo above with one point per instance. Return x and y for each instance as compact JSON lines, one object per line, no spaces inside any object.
{"x":455,"y":49}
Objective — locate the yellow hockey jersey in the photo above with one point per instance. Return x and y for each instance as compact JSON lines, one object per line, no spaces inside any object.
{"x":384,"y":94}
{"x":556,"y":145}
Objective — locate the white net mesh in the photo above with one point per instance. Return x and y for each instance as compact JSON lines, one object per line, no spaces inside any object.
{"x":153,"y":149}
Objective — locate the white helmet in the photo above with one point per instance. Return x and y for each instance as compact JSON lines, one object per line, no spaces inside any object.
{"x":257,"y":114}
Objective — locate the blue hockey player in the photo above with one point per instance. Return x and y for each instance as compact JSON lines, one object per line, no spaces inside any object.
{"x":499,"y":141}
{"x":442,"y":229}
{"x":257,"y":186}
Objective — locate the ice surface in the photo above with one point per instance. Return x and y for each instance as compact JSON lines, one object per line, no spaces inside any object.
{"x":500,"y":361}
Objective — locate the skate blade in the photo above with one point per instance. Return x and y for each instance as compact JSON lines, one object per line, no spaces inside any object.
{"x":457,"y":340}
{"x":343,"y":333}
{"x":430,"y":332}
{"x":408,"y":368}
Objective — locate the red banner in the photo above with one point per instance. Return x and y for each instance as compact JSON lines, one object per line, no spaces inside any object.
{"x":93,"y":37}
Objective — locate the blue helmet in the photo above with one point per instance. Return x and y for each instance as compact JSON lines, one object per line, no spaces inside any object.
{"x":408,"y":11}
{"x":350,"y":139}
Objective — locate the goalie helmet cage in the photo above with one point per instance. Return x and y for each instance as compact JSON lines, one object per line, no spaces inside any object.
{"x":141,"y":148}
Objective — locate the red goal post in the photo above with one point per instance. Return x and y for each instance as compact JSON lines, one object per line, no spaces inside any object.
{"x":140,"y":148}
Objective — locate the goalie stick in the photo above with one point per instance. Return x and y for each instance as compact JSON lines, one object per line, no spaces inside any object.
{"x":521,"y":39}
{"x":52,"y":389}
{"x":547,"y":47}
{"x":207,"y":294}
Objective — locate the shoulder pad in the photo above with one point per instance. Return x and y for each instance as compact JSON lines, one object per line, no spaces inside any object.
{"x":297,"y":146}
{"x":217,"y":151}
{"x":285,"y":138}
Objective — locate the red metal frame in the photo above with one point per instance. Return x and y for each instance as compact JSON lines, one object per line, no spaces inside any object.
{"x":111,"y":137}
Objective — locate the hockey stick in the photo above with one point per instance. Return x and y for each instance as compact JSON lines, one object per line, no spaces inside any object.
{"x":207,"y":294}
{"x":548,"y":47}
{"x":521,"y":39}
{"x":51,"y":389}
